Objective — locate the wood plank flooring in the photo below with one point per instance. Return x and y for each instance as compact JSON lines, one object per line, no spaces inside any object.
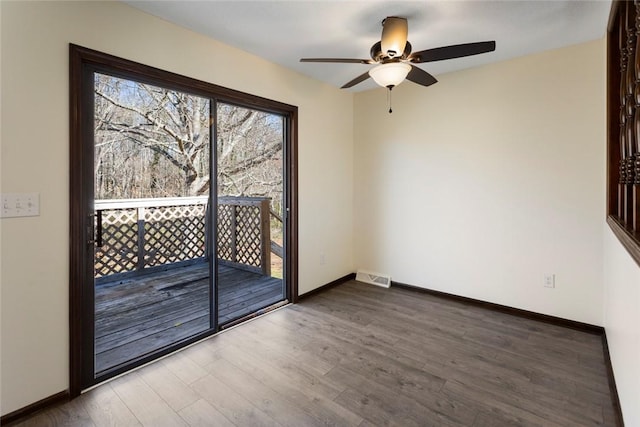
{"x":139,"y":315}
{"x":358,"y":355}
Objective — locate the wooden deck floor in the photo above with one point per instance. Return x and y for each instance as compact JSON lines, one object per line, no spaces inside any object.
{"x":137,"y":316}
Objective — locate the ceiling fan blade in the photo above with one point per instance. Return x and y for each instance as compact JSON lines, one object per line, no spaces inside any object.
{"x":359,"y":79}
{"x":418,"y":75}
{"x":454,"y":51}
{"x":394,"y":36}
{"x":339,"y":60}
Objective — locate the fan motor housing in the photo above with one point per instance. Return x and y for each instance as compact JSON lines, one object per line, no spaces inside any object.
{"x":379,"y":56}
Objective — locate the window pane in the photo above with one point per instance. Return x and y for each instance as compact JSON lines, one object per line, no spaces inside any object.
{"x":152,"y":183}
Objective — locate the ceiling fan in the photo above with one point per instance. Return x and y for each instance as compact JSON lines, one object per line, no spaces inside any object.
{"x":394,"y":58}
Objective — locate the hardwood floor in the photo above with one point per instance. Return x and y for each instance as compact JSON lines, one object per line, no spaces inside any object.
{"x":358,"y":355}
{"x":145,"y":313}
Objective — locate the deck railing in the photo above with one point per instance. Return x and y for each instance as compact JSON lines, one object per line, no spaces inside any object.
{"x":244,"y":233}
{"x":138,"y":235}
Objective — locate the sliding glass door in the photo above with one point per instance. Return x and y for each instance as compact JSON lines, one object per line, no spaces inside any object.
{"x":182,"y":212}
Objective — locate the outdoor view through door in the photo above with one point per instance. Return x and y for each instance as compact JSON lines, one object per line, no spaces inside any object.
{"x":167,"y":264}
{"x":250,"y":210}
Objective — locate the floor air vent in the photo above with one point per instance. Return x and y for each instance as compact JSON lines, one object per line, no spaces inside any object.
{"x":373,"y":278}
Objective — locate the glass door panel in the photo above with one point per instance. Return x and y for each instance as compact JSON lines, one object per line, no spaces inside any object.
{"x":152,"y":190}
{"x":250,"y":183}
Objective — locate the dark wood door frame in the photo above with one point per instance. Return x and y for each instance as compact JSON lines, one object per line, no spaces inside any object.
{"x":83,"y":63}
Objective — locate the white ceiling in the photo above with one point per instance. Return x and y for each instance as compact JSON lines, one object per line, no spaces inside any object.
{"x":285,"y":31}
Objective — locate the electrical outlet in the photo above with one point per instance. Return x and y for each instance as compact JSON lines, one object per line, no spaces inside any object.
{"x":549,"y":280}
{"x":323,"y":260}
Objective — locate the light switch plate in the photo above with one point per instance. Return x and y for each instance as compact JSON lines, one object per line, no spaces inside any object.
{"x":19,"y":204}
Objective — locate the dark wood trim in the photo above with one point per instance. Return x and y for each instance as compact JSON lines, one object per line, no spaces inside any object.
{"x":559,"y":321}
{"x":340,"y":281}
{"x":38,"y":406}
{"x":613,"y":128}
{"x":623,"y":203}
{"x":612,"y":14}
{"x":291,"y":274}
{"x":629,"y":239}
{"x":75,"y":187}
{"x":213,"y":214}
{"x":84,"y":62}
{"x":78,"y":188}
{"x":615,"y":399}
{"x":120,"y":67}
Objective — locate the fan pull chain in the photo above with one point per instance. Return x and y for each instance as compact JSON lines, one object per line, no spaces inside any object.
{"x":389,"y":98}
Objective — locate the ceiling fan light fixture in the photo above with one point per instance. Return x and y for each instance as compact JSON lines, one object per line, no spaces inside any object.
{"x":390,"y":75}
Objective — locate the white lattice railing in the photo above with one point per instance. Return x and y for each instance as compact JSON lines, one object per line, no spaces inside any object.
{"x":135,"y":235}
{"x":244,"y":233}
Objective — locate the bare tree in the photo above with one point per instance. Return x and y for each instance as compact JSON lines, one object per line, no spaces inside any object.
{"x":154,"y":142}
{"x":145,"y":124}
{"x":249,"y":153}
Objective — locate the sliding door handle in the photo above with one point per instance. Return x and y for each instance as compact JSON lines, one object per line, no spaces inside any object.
{"x":98,"y":229}
{"x":94,"y":229}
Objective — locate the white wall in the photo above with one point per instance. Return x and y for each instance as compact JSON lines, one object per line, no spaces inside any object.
{"x":622,"y":318}
{"x":482,"y":183}
{"x":34,"y":150}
